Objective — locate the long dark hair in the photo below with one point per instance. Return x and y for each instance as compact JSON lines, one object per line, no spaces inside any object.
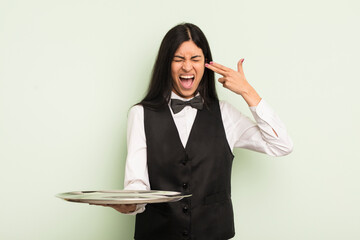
{"x":161,"y":82}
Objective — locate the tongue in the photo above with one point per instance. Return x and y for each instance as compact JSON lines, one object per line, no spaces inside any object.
{"x":186,"y":83}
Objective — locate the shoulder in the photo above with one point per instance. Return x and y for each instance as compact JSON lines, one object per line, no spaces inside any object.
{"x":224,"y":104}
{"x":229,"y":112}
{"x":226,"y":107}
{"x":136,"y":111}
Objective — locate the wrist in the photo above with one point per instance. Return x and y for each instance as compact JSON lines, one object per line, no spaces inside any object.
{"x":251,"y":97}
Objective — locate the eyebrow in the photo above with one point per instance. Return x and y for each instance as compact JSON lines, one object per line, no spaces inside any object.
{"x":184,"y":57}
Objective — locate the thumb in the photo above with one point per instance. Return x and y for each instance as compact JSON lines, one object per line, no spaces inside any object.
{"x":240,"y":67}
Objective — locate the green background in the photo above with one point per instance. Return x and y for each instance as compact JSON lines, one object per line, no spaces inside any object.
{"x":70,"y":71}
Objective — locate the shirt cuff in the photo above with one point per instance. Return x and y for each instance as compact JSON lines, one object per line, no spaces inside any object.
{"x":139,"y":207}
{"x":259,"y":110}
{"x":267,"y":119}
{"x":263,"y":113}
{"x":272,"y":129}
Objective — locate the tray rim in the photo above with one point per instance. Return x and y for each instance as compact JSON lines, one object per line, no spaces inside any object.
{"x":154,"y":196}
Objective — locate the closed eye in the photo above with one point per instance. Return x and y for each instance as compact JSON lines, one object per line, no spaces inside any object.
{"x":196,"y":58}
{"x":178,"y":58}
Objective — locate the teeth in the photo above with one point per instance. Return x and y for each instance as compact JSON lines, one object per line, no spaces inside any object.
{"x":187,"y":76}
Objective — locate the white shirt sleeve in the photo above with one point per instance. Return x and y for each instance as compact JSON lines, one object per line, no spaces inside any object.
{"x":136,"y":172}
{"x":268,"y":135}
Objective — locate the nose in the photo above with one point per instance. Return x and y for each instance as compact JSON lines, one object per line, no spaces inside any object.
{"x":187,"y":66}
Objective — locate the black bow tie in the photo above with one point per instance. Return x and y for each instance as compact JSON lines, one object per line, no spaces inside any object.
{"x":178,"y":105}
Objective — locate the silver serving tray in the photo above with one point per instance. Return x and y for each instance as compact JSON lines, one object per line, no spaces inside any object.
{"x":122,"y":196}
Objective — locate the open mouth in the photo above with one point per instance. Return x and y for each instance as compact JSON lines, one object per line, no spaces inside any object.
{"x":187,"y":81}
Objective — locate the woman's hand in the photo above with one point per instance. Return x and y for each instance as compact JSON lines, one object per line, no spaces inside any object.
{"x":122,"y":208}
{"x":236,"y":81}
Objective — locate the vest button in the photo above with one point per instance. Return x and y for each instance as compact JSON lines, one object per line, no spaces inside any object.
{"x":185,"y":233}
{"x":185,"y":185}
{"x":183,"y":162}
{"x":185,"y":209}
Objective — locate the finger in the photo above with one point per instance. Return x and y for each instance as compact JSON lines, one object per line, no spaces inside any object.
{"x":219,"y":66}
{"x":240,"y":67}
{"x":221,"y":80}
{"x":123,"y":207}
{"x":215,"y":69}
{"x":96,"y":204}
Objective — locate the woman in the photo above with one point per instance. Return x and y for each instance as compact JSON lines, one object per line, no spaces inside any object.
{"x":187,"y":147}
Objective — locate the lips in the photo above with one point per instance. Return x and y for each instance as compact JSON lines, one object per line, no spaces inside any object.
{"x":187,"y":80}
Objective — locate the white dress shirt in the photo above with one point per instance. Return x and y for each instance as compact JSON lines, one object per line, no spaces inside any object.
{"x":266,"y":135}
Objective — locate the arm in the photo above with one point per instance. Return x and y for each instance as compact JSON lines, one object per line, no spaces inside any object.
{"x":236,"y":82}
{"x":269,"y":134}
{"x":136,"y":173}
{"x":259,"y":136}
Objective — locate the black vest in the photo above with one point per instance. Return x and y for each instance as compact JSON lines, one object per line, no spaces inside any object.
{"x":203,"y":168}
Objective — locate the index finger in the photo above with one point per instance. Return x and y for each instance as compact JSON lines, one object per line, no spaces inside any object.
{"x":215,"y":69}
{"x":219,"y":66}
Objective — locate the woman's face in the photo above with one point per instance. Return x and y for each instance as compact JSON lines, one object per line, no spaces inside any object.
{"x":187,"y":69}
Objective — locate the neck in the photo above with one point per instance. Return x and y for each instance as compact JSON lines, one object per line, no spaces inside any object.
{"x":184,"y":97}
